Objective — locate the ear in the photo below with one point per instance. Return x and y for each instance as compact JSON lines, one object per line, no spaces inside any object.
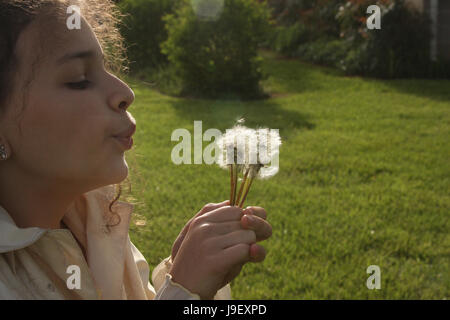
{"x":4,"y":149}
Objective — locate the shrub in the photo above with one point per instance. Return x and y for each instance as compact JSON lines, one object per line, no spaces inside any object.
{"x":320,"y":13}
{"x":326,"y":51}
{"x":287,"y":39}
{"x":301,"y":21}
{"x":217,"y":56}
{"x":399,"y":49}
{"x":311,"y":30}
{"x":144,"y":31}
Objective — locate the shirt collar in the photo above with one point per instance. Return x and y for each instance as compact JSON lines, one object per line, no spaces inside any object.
{"x":95,"y":202}
{"x":14,"y":238}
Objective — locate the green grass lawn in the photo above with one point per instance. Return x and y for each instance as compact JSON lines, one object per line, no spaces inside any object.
{"x":364,"y":180}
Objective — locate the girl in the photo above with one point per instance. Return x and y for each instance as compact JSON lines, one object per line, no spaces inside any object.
{"x":64,"y":128}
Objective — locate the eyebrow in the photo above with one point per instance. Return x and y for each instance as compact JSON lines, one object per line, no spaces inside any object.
{"x":87,"y":54}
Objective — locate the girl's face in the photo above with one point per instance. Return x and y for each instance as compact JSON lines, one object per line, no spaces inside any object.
{"x":73,"y":109}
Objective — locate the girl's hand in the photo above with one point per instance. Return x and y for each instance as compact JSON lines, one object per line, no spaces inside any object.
{"x":207,"y":208}
{"x":262,"y":229}
{"x":216,"y":245}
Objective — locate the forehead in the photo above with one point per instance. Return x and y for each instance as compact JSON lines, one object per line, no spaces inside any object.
{"x":45,"y":42}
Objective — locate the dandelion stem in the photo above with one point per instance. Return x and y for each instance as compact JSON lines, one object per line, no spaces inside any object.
{"x":249,"y":183}
{"x":235,"y":178}
{"x":242,"y":184}
{"x":232,"y":184}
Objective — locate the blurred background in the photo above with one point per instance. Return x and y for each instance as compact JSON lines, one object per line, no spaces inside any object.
{"x":364,"y":116}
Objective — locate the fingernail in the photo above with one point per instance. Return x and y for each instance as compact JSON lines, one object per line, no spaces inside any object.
{"x":248,"y":211}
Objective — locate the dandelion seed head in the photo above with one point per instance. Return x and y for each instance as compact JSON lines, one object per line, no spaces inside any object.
{"x":269,"y":142}
{"x":250,"y":150}
{"x":233,"y":146}
{"x":268,"y":149}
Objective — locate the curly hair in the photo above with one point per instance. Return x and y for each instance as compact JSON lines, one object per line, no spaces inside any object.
{"x":15,"y":15}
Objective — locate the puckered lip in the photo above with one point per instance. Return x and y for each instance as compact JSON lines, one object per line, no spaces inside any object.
{"x":127,"y":133}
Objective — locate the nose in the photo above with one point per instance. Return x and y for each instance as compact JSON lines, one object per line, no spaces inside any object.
{"x":122,"y":97}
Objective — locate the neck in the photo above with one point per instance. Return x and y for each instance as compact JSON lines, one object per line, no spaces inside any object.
{"x":34,"y":202}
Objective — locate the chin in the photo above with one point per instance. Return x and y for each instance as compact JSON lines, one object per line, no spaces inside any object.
{"x":119,"y":171}
{"x":113,"y":173}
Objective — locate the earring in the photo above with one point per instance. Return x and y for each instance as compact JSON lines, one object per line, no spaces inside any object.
{"x":3,"y":153}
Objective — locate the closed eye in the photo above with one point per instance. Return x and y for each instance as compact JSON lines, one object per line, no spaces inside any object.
{"x":79,"y":85}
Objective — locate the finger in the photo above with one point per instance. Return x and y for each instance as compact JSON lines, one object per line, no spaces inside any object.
{"x":222,"y":228}
{"x":223,"y":214}
{"x":257,"y":253}
{"x":236,"y":255}
{"x":234,"y":238}
{"x":262,"y":228}
{"x":213,"y":206}
{"x":207,"y":208}
{"x":257,"y":211}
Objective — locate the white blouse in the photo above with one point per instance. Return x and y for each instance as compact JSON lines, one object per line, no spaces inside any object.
{"x":38,"y":263}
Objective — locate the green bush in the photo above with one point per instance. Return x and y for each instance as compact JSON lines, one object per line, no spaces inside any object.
{"x":301,"y":21}
{"x":144,"y":31}
{"x":218,"y":56}
{"x":287,"y":39}
{"x":326,"y":51}
{"x":399,"y":49}
{"x":320,"y":13}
